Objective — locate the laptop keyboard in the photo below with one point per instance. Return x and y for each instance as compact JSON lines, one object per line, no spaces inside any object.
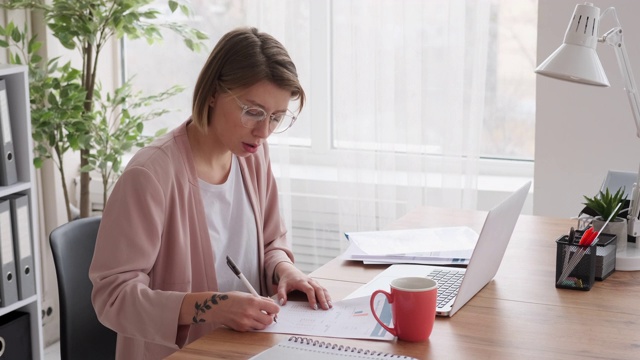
{"x":448,"y":283}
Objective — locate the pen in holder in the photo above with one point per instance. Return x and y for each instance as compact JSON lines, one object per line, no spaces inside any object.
{"x":575,"y":265}
{"x":574,"y":270}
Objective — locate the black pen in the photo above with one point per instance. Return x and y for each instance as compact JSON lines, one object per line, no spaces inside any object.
{"x":572,"y":236}
{"x":244,"y":280}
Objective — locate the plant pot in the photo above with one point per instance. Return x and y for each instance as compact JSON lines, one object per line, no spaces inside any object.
{"x":617,"y":227}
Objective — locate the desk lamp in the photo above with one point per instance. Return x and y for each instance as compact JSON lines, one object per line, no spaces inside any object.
{"x":576,"y":60}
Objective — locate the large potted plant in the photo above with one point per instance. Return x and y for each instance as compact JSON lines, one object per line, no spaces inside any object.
{"x":64,"y":96}
{"x":119,"y":125}
{"x":607,"y":204}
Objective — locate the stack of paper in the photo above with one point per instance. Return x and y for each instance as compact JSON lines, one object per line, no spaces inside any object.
{"x":433,"y":246}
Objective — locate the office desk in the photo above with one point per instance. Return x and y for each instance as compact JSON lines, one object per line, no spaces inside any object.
{"x":518,"y":315}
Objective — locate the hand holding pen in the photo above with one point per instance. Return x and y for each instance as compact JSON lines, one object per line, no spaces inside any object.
{"x":246,"y":282}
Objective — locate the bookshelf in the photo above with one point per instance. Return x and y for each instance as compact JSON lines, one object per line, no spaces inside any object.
{"x":17,"y":88}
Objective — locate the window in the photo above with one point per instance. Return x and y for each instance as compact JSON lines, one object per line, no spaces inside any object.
{"x":431,"y":94}
{"x":407,"y":31}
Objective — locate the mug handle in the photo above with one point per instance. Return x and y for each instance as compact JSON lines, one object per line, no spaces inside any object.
{"x":392,"y":331}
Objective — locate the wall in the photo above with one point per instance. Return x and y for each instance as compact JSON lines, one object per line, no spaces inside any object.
{"x":582,"y":131}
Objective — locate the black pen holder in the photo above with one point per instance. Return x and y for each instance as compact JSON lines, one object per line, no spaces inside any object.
{"x":582,"y":262}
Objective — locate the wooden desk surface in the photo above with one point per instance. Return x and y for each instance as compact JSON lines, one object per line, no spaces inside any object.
{"x":518,"y":315}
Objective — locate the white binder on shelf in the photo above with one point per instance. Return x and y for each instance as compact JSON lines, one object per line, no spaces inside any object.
{"x":8,"y":282}
{"x":21,"y":223}
{"x":8,"y":173}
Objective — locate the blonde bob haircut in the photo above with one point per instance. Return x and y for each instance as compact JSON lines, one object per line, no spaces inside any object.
{"x":242,"y":58}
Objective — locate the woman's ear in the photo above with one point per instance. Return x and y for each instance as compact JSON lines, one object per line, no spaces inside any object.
{"x":212,"y":100}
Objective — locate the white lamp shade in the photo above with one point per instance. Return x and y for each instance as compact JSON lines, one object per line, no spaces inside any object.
{"x":574,"y":63}
{"x":576,"y":59}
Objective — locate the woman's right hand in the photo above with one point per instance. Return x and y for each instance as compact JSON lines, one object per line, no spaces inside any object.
{"x":245,"y":312}
{"x":237,"y":310}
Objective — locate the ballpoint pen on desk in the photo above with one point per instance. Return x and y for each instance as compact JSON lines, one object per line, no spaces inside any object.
{"x":587,"y":240}
{"x":244,"y":280}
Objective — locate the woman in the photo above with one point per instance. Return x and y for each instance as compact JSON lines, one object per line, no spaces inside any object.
{"x":201,"y":193}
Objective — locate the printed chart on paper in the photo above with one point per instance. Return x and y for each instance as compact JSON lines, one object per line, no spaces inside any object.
{"x":350,"y":319}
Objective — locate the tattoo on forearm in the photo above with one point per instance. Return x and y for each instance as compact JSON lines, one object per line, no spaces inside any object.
{"x":206,"y":305}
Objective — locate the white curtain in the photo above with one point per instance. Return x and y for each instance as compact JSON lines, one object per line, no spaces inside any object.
{"x":396,"y":94}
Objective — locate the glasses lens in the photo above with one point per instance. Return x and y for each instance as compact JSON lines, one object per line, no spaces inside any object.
{"x":251,"y":116}
{"x":277,"y":123}
{"x":283,"y":121}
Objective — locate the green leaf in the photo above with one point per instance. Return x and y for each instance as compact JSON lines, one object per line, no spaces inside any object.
{"x":185,"y":10}
{"x":34,"y":45}
{"x":16,"y":35}
{"x":200,"y":35}
{"x":173,"y":5}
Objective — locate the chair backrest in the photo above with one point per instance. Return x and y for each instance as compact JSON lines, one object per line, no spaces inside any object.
{"x":82,"y":336}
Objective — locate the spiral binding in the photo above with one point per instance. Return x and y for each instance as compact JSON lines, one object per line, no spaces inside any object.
{"x":338,"y":347}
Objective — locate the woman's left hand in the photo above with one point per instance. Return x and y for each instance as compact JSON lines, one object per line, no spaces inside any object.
{"x":291,"y":278}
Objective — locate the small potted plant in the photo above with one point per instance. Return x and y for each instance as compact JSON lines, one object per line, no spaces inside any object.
{"x":604,"y":204}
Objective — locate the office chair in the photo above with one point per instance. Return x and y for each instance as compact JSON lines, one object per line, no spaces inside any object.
{"x":82,"y":336}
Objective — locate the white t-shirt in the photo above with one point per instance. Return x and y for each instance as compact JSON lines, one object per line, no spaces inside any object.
{"x":232,"y":229}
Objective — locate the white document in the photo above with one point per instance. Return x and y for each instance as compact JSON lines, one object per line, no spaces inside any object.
{"x":348,"y":319}
{"x":436,"y":246}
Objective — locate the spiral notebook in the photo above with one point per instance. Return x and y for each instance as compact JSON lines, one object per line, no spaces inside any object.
{"x":296,"y":348}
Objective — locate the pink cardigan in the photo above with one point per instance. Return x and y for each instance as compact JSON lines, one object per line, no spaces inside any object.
{"x":153,"y":246}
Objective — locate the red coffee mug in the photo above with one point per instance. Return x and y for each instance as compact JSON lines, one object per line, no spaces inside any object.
{"x":413,"y":307}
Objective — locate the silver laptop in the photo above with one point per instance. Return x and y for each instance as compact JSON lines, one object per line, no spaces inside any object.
{"x":483,"y":265}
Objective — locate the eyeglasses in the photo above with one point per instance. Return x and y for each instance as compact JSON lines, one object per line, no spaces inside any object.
{"x":252,"y":115}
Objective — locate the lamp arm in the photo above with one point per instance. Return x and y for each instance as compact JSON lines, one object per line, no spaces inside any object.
{"x":613,"y":37}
